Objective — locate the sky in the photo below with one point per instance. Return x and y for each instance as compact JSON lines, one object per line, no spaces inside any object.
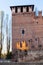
{"x":5,"y":6}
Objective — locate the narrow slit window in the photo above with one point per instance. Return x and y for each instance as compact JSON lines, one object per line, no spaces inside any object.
{"x":23,"y":31}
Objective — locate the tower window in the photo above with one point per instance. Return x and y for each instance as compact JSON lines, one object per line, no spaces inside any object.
{"x":23,"y":31}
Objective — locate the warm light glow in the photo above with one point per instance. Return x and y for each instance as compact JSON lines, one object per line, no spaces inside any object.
{"x":18,"y":45}
{"x":24,"y":47}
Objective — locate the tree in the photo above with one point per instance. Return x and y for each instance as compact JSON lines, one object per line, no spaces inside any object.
{"x":9,"y":55}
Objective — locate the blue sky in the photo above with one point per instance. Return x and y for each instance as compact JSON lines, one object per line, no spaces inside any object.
{"x":5,"y":4}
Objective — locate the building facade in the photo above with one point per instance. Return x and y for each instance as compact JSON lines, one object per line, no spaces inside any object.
{"x":26,"y":26}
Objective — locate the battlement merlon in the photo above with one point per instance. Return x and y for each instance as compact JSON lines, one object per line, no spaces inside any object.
{"x":22,"y":8}
{"x":39,"y":13}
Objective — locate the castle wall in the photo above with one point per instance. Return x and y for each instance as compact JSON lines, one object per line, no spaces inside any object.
{"x":27,"y":27}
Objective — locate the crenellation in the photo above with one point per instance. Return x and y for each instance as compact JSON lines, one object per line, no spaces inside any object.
{"x":40,"y":13}
{"x":22,"y":9}
{"x":18,"y":9}
{"x":30,"y":9}
{"x":13,"y":10}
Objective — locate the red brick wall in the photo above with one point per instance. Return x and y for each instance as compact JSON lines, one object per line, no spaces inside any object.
{"x":31,"y":24}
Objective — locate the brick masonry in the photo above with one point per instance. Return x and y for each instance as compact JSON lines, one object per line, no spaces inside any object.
{"x":32,"y":26}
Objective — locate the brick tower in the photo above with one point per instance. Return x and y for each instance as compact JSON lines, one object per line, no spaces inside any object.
{"x":27,"y":26}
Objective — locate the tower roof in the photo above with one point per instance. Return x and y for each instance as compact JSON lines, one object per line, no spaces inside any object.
{"x":22,"y":6}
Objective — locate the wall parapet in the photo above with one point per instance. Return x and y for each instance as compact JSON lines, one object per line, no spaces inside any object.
{"x":24,"y":8}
